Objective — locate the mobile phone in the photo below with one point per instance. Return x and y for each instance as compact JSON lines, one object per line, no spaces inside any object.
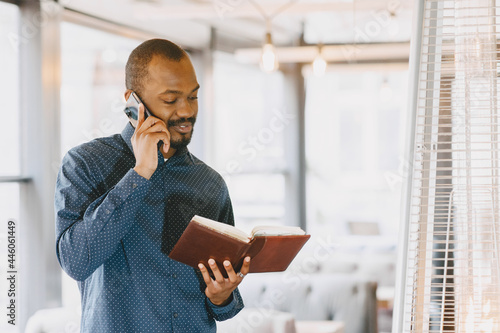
{"x":132,"y":111}
{"x":132,"y":108}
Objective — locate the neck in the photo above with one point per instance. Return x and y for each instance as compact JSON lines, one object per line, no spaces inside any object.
{"x":169,"y":154}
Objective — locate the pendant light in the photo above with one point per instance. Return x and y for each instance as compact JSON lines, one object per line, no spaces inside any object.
{"x":319,"y":63}
{"x":269,"y":60}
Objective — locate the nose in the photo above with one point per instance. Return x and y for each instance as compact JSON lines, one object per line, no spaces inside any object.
{"x":187,"y":109}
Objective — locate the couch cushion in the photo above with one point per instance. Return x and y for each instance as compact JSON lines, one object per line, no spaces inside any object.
{"x":258,"y":320}
{"x":315,"y":297}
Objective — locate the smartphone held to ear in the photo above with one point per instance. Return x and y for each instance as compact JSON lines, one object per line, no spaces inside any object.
{"x":132,"y":108}
{"x":132,"y":111}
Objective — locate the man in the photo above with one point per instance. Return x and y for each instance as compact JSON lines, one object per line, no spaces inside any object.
{"x":122,"y":203}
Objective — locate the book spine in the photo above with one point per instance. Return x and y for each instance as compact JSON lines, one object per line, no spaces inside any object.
{"x":253,"y":248}
{"x":247,"y":250}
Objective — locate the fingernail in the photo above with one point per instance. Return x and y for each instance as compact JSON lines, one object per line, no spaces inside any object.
{"x":211,"y":261}
{"x":200,"y":266}
{"x":226,"y":263}
{"x":247,"y":259}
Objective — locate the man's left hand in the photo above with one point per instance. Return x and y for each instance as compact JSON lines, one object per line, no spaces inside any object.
{"x":219,"y":289}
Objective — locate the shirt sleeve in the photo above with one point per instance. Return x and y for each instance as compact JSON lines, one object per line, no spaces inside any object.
{"x":227,"y":311}
{"x":90,"y":224}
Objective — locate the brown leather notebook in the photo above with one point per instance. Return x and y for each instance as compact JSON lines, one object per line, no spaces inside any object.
{"x":270,"y":248}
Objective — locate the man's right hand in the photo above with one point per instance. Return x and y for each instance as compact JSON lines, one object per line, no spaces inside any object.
{"x":145,"y":140}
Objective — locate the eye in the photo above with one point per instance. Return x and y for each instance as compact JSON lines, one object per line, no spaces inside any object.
{"x":193,"y":98}
{"x":170,"y":102}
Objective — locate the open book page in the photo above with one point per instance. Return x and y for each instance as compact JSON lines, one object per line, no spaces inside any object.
{"x":222,"y":228}
{"x":276,"y":231}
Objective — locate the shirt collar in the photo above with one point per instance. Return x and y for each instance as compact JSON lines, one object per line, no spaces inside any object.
{"x":127,"y":133}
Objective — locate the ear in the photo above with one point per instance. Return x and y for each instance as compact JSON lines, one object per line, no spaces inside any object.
{"x":127,"y":94}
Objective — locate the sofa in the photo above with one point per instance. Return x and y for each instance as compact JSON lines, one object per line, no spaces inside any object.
{"x":327,"y":281}
{"x":316,"y":296}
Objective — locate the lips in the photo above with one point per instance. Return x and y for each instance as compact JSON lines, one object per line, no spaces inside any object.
{"x":183,"y":128}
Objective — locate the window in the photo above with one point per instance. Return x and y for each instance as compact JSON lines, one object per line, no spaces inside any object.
{"x":10,"y":143}
{"x":9,"y":86}
{"x":354,"y":152}
{"x":93,"y":83}
{"x":248,"y":146}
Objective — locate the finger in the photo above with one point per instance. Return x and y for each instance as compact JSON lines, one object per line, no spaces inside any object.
{"x":161,"y":127}
{"x":166,"y":143}
{"x":157,"y":128}
{"x":157,"y":137}
{"x":215,"y":270}
{"x":246,"y":266}
{"x":153,"y":124}
{"x":140,"y":116}
{"x":204,"y":272}
{"x":231,"y":274}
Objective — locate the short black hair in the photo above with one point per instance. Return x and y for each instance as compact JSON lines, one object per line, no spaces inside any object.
{"x":136,"y":70}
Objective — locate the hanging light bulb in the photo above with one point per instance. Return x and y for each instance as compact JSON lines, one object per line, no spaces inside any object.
{"x":319,"y":64}
{"x":269,"y":60}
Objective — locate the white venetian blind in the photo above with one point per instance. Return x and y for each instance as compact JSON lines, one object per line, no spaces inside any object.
{"x":452,"y":281}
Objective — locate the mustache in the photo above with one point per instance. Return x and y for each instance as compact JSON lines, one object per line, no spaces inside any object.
{"x":179,"y":121}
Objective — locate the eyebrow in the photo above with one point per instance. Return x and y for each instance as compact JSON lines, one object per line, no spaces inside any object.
{"x":178,"y":92}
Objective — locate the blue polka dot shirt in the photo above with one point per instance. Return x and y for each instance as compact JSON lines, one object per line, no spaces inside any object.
{"x":115,"y":229}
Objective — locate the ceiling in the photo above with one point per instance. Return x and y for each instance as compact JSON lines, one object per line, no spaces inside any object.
{"x":190,"y":22}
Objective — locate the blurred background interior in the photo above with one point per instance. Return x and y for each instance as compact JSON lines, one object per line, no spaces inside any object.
{"x":313,"y":138}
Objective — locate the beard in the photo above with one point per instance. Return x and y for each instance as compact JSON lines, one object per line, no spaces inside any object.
{"x":185,"y":138}
{"x":183,"y":142}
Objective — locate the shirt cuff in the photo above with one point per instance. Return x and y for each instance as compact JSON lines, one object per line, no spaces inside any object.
{"x":219,"y":310}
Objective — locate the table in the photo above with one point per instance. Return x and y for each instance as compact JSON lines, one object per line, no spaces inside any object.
{"x":324,"y":326}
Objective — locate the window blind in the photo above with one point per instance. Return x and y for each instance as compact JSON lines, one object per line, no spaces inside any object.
{"x":452,"y":279}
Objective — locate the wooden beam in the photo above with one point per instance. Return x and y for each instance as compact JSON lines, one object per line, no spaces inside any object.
{"x":346,"y":53}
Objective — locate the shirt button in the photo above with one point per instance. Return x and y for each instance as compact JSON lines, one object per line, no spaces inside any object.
{"x":134,"y":185}
{"x":176,"y":315}
{"x":174,"y":275}
{"x":107,"y":211}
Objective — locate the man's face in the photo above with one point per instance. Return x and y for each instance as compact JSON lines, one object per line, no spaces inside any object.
{"x":171,"y":94}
